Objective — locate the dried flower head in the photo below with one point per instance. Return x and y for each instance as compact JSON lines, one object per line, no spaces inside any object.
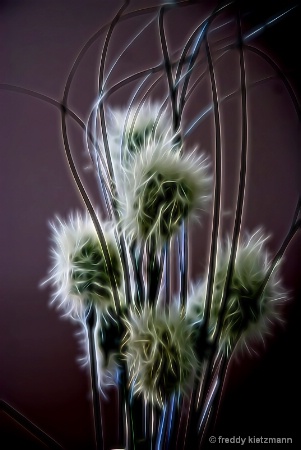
{"x":162,"y":189}
{"x":248,"y":314}
{"x":130,"y":130}
{"x":159,"y":351}
{"x":79,"y":274}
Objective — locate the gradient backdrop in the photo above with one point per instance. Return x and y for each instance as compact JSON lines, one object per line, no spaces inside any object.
{"x":39,"y":41}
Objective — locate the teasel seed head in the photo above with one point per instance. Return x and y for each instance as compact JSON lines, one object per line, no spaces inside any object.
{"x":160,"y":354}
{"x":163,"y":188}
{"x":79,"y":274}
{"x":248,"y":315}
{"x":130,"y":130}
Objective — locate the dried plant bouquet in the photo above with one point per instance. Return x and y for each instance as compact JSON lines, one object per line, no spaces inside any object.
{"x":161,"y":339}
{"x":121,"y":269}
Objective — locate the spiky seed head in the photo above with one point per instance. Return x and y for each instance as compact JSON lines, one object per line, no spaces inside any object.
{"x":129,"y":130}
{"x":248,"y":316}
{"x":162,"y":188}
{"x":159,"y":352}
{"x":79,"y":274}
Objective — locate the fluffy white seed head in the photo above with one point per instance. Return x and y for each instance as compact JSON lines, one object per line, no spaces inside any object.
{"x":248,"y":316}
{"x":79,"y":275}
{"x":130,"y":130}
{"x":160,"y":355}
{"x":162,"y":188}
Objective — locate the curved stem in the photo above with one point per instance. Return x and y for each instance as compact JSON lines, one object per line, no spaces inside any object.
{"x":139,"y":106}
{"x":101,"y":105}
{"x":281,"y":75}
{"x":167,"y":273}
{"x":241,"y":187}
{"x":214,"y":238}
{"x":184,"y":261}
{"x":167,"y":64}
{"x":91,"y":210}
{"x":201,"y":32}
{"x":293,"y":230}
{"x":91,"y":323}
{"x":29,"y":426}
{"x":237,"y":221}
{"x":217,"y":191}
{"x":213,"y":403}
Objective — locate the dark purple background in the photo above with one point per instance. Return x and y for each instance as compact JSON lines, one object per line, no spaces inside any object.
{"x":39,"y":41}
